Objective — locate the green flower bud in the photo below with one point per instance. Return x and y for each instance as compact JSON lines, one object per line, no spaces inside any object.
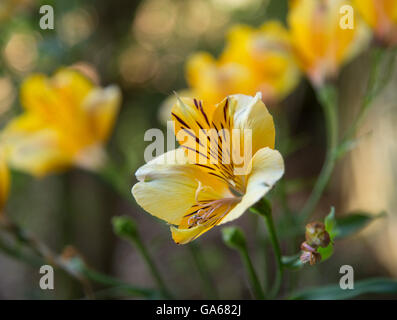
{"x":125,"y":227}
{"x":233,"y":237}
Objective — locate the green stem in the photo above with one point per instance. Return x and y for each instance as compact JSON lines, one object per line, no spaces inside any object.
{"x":376,"y":83}
{"x":115,"y":283}
{"x":277,"y":252}
{"x":263,"y":208}
{"x":234,"y":238}
{"x":327,"y":96}
{"x":74,"y":267}
{"x":151,"y":265}
{"x":264,"y":245}
{"x":209,"y":287}
{"x":253,"y":278}
{"x":111,"y":176}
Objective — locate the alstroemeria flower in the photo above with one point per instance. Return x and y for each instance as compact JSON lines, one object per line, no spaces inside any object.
{"x":66,"y":121}
{"x":194,"y":197}
{"x":381,"y":15}
{"x":211,"y":80}
{"x":321,"y":45}
{"x":253,"y":60}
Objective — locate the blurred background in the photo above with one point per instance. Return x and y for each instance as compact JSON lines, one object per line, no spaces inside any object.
{"x":142,"y":46}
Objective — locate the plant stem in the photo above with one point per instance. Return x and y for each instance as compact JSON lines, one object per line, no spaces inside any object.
{"x":277,"y":252}
{"x":376,"y":83}
{"x":263,"y":208}
{"x":254,"y":280}
{"x":209,"y":287}
{"x":43,"y":255}
{"x":151,"y":265}
{"x":234,"y":238}
{"x":115,"y":283}
{"x":327,"y":96}
{"x":111,"y":176}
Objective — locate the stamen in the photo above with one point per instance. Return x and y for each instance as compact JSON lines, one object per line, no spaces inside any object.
{"x":208,"y":213}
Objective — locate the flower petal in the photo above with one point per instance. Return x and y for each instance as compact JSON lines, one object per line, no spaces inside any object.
{"x":168,"y":184}
{"x":252,"y":114}
{"x":58,"y":99}
{"x":32,"y":147}
{"x":267,"y":169}
{"x":101,"y":106}
{"x":4,"y":181}
{"x":212,"y":80}
{"x":183,"y":236}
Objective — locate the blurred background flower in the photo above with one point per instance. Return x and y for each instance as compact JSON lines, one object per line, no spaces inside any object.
{"x":4,"y":182}
{"x":381,"y":15}
{"x":253,"y":60}
{"x":66,"y":121}
{"x":321,"y":46}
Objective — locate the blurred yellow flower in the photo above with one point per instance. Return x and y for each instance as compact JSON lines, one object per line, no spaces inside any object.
{"x":253,"y":60}
{"x":4,"y":182}
{"x":321,"y":45}
{"x":66,"y":121}
{"x":381,"y":15}
{"x":194,"y":197}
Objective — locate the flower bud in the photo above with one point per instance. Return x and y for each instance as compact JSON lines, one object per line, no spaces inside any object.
{"x":316,"y":235}
{"x":306,"y":247}
{"x":233,"y":237}
{"x":125,"y":227}
{"x":311,"y":257}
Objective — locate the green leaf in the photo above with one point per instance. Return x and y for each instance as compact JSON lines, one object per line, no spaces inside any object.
{"x":334,"y":292}
{"x":330,"y":223}
{"x":354,"y":222}
{"x":330,"y":227}
{"x":326,"y":252}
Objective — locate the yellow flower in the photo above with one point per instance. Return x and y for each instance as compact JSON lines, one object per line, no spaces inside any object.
{"x":66,"y":121}
{"x":212,"y":80}
{"x":4,"y":182}
{"x":321,"y":45}
{"x":268,"y":52}
{"x":253,"y":60}
{"x":194,"y":188}
{"x":381,"y":15}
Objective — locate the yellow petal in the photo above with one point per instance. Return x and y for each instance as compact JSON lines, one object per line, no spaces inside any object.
{"x":267,"y":52}
{"x":32,"y":147}
{"x":56,"y":100}
{"x":251,"y":114}
{"x":166,"y":106}
{"x":190,"y":229}
{"x":168,"y":184}
{"x":190,"y":117}
{"x":39,"y":154}
{"x":267,"y":169}
{"x":101,"y":106}
{"x":381,"y":15}
{"x":320,"y":44}
{"x":183,"y":236}
{"x":213,"y":80}
{"x":4,"y":182}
